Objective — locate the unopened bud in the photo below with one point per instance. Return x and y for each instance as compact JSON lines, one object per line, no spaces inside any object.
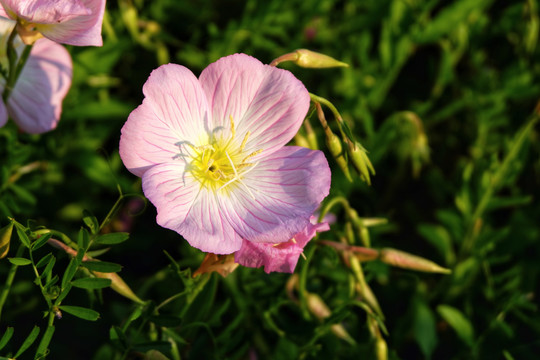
{"x":408,"y":261}
{"x":321,"y":311}
{"x":5,"y":238}
{"x":360,"y":161}
{"x":301,"y":140}
{"x":311,"y":59}
{"x":119,"y":285}
{"x":336,"y":149}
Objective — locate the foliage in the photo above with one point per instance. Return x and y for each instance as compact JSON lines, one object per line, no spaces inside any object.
{"x":442,"y":95}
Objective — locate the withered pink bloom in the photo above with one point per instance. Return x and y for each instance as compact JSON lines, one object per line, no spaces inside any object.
{"x":211,"y":153}
{"x":35,"y":103}
{"x":73,"y":22}
{"x":281,"y":257}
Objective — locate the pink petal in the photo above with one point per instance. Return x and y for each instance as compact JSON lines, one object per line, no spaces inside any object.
{"x":174,"y":112}
{"x":81,"y":30}
{"x":285,"y":188}
{"x":281,"y":257}
{"x":3,"y":12}
{"x":185,"y":207}
{"x":46,"y":11}
{"x":268,"y":102}
{"x":35,"y":103}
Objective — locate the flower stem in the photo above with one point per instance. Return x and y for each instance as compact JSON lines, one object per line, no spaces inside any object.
{"x":16,"y":64}
{"x":9,"y":280}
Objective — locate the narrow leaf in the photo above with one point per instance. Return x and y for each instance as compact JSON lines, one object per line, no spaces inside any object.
{"x":19,"y":261}
{"x":112,"y":238}
{"x":6,"y":337}
{"x":42,"y":240}
{"x":80,"y":312}
{"x":28,"y":342}
{"x":70,"y":272}
{"x":45,"y":341}
{"x":44,"y":260}
{"x":91,"y":283}
{"x":83,"y":239}
{"x":102,"y":266}
{"x":458,"y":322}
{"x":90,"y":221}
{"x":22,"y":236}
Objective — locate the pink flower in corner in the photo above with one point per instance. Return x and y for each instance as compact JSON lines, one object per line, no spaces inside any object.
{"x":35,"y":102}
{"x":73,"y":22}
{"x":211,"y":153}
{"x":280,"y":257}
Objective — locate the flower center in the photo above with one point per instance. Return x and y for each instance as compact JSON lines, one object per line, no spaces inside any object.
{"x":221,"y":164}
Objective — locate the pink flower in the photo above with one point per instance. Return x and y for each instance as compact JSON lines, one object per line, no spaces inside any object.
{"x":281,"y":257}
{"x":73,"y":22}
{"x":35,"y":102}
{"x":211,"y":153}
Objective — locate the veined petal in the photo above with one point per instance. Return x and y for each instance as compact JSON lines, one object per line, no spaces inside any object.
{"x":173,"y":114}
{"x":185,"y":207}
{"x":281,"y":257}
{"x":268,"y":102}
{"x":80,"y":30}
{"x":35,"y":102}
{"x":285,"y":188}
{"x":46,"y":11}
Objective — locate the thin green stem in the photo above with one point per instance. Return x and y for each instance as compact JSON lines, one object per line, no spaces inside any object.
{"x":9,"y":280}
{"x":330,"y":204}
{"x":16,"y":63}
{"x":333,"y":109}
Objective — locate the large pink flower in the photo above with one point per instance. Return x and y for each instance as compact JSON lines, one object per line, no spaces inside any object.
{"x":211,"y":153}
{"x":35,"y":103}
{"x":280,"y":257}
{"x":73,"y":22}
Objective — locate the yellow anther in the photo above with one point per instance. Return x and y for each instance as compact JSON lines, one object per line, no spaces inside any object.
{"x":293,"y":240}
{"x":252,"y":155}
{"x":233,"y":131}
{"x":244,"y":141}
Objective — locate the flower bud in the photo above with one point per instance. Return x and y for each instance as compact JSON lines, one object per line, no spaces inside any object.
{"x":5,"y":238}
{"x":408,"y":261}
{"x":311,"y":59}
{"x":360,"y":160}
{"x":336,"y":149}
{"x":119,"y":285}
{"x":321,"y":311}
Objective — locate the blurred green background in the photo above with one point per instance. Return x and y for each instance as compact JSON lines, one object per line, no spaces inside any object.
{"x":442,"y":94}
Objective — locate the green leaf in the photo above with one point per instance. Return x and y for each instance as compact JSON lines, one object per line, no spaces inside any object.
{"x":80,"y":312}
{"x":49,"y":267}
{"x":112,"y":238}
{"x":63,"y":294}
{"x":83,"y":239}
{"x":22,"y":235}
{"x":19,"y":261}
{"x":28,"y":342}
{"x":458,"y":322}
{"x":91,"y":283}
{"x":118,"y":337}
{"x":424,"y":328}
{"x":102,"y":266}
{"x":42,"y":240}
{"x":70,"y":272}
{"x":90,"y":220}
{"x":44,"y":343}
{"x":44,"y":260}
{"x":6,"y":337}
